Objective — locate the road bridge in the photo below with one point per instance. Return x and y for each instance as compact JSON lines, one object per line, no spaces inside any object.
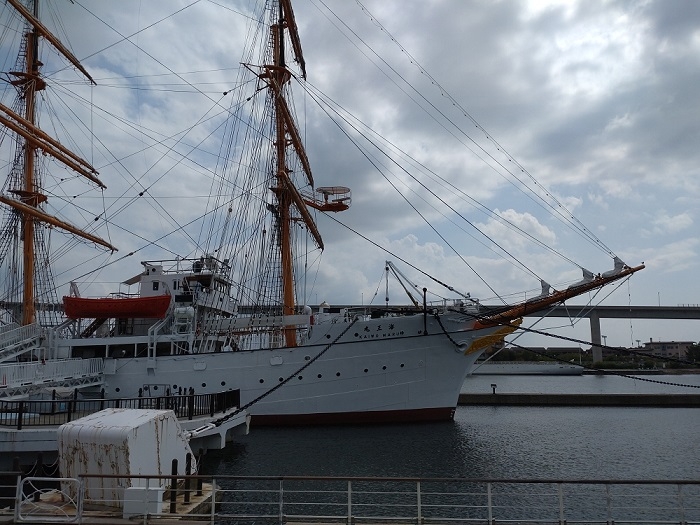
{"x":596,"y":313}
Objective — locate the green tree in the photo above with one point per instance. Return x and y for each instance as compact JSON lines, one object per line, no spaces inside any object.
{"x":693,"y":354}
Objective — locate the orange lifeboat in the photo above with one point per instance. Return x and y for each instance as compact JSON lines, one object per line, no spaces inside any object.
{"x":116,"y":307}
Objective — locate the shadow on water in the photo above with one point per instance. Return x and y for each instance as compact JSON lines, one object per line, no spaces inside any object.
{"x":482,"y":442}
{"x":408,"y":450}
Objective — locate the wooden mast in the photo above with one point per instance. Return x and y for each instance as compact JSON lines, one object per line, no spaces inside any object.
{"x":33,"y":85}
{"x":286,"y":134}
{"x":285,"y":192}
{"x":29,"y":83}
{"x":280,"y":76}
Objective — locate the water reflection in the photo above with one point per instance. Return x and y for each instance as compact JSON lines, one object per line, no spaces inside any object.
{"x":482,"y":442}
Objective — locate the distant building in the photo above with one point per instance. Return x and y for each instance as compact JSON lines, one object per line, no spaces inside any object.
{"x":677,"y":349}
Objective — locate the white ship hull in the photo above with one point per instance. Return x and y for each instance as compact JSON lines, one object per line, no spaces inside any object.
{"x":380,"y":370}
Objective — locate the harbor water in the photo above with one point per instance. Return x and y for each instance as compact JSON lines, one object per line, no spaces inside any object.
{"x":494,"y":442}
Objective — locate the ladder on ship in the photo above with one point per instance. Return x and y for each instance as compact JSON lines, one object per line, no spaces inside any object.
{"x":15,"y":340}
{"x":23,"y":379}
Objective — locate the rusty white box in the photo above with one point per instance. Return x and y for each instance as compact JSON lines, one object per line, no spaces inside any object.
{"x":124,"y":443}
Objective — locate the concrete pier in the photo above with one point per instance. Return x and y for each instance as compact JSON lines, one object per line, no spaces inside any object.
{"x":582,"y":400}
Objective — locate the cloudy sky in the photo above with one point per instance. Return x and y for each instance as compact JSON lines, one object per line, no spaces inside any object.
{"x":589,"y":107}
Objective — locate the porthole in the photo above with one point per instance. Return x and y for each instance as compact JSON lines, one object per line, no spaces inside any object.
{"x":223,"y":383}
{"x":357,"y":335}
{"x":307,"y":358}
{"x":328,"y":336}
{"x":281,"y":379}
{"x":402,"y":365}
{"x":319,"y":376}
{"x":384,"y":367}
{"x":366,"y":370}
{"x":337,"y":374}
{"x":204,"y":385}
{"x":117,"y":389}
{"x":262,"y":381}
{"x":300,"y":378}
{"x":155,"y":387}
{"x":174,"y":387}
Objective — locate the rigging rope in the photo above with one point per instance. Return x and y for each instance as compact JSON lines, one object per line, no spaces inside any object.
{"x":609,"y":371}
{"x":328,"y":105}
{"x":567,"y":218}
{"x":431,"y":226}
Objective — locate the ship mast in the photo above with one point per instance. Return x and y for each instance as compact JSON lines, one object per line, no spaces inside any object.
{"x":292,"y":206}
{"x":283,"y":196}
{"x":33,"y":84}
{"x":286,"y":134}
{"x":28,"y":197}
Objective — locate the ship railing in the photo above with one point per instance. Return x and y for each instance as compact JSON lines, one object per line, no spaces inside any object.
{"x":8,"y":327}
{"x":162,"y":325}
{"x":284,"y":500}
{"x":192,"y":264}
{"x":48,"y":371}
{"x":22,"y":414}
{"x":14,"y":337}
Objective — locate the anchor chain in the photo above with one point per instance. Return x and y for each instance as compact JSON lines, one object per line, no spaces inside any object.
{"x":444,"y":331}
{"x":221,"y":420}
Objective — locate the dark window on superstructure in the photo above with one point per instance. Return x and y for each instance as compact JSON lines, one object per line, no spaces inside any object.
{"x":155,"y":285}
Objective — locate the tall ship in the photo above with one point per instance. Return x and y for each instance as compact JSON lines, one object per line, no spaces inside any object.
{"x":230,"y":310}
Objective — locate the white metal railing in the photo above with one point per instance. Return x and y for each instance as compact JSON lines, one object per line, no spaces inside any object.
{"x":37,"y":372}
{"x":8,"y":327}
{"x":13,"y":335}
{"x":30,"y":503}
{"x":247,"y":500}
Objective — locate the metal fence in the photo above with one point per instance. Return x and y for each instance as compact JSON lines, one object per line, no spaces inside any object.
{"x":22,"y":414}
{"x":279,"y":500}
